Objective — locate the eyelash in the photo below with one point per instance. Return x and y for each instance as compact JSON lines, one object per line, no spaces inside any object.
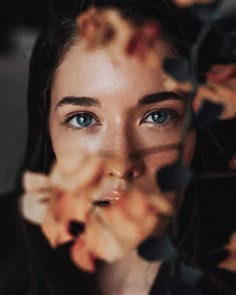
{"x":68,"y":120}
{"x":174,"y":116}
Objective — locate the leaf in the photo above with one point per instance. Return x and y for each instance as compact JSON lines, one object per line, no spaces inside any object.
{"x":107,"y":29}
{"x":232,"y":163}
{"x":157,"y":248}
{"x":178,"y":68}
{"x":76,"y":228}
{"x":207,"y":115}
{"x":70,"y":212}
{"x":34,"y":202}
{"x":230,"y":262}
{"x":186,"y":3}
{"x":33,"y":182}
{"x":204,"y":9}
{"x":173,"y":177}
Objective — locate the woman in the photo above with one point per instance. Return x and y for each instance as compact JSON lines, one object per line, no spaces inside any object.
{"x":86,"y":100}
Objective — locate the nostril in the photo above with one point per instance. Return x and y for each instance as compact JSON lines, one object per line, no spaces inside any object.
{"x":130,"y":174}
{"x":124,"y":174}
{"x":126,"y":168}
{"x":76,"y":228}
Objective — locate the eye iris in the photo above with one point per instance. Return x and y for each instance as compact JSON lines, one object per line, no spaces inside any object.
{"x":84,"y":120}
{"x":159,"y":117}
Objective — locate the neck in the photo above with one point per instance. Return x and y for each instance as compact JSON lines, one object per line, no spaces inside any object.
{"x":130,"y":275}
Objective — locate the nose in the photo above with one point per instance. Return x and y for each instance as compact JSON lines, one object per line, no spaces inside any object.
{"x":122,"y":145}
{"x":124,"y":167}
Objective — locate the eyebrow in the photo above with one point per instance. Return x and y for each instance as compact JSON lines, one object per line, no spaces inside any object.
{"x":161,"y":96}
{"x":78,"y":101}
{"x":91,"y":101}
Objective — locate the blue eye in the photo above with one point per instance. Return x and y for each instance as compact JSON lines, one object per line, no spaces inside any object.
{"x":160,"y":117}
{"x":82,"y":120}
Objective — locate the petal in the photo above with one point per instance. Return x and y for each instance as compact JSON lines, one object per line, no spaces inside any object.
{"x":34,"y":206}
{"x":33,"y":182}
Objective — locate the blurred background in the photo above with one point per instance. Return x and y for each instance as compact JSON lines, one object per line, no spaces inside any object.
{"x":19,"y":23}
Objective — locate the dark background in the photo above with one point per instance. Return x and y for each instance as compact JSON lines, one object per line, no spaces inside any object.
{"x":20,"y":22}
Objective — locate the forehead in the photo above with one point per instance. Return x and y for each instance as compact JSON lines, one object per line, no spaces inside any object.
{"x":98,"y":73}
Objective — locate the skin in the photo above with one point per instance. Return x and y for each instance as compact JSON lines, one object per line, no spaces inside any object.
{"x":120,"y":126}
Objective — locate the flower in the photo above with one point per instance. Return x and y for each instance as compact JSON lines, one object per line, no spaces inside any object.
{"x":108,"y":29}
{"x":66,"y":195}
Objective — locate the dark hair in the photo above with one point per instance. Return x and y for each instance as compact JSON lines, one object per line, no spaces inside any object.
{"x":47,"y":55}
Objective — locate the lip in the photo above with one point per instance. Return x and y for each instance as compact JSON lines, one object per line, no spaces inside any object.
{"x":109,"y":197}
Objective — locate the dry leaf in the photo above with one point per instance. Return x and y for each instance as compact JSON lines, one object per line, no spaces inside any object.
{"x":186,"y":3}
{"x":220,"y":88}
{"x":108,"y":29}
{"x":38,"y":191}
{"x":230,"y":262}
{"x":110,"y":232}
{"x":232,"y":163}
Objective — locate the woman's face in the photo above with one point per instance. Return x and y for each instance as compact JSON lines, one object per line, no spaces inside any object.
{"x":118,"y":107}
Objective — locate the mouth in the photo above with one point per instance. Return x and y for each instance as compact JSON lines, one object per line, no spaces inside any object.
{"x":108,"y":198}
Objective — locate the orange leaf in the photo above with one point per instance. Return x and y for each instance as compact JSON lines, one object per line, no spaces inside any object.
{"x":230,"y":262}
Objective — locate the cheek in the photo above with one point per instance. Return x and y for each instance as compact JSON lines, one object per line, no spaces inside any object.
{"x":62,"y":141}
{"x":154,"y":163}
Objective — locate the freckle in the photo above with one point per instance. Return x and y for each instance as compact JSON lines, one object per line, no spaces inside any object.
{"x":115,"y":63}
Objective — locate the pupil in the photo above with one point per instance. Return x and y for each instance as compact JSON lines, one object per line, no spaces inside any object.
{"x":159,"y":117}
{"x":84,"y":120}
